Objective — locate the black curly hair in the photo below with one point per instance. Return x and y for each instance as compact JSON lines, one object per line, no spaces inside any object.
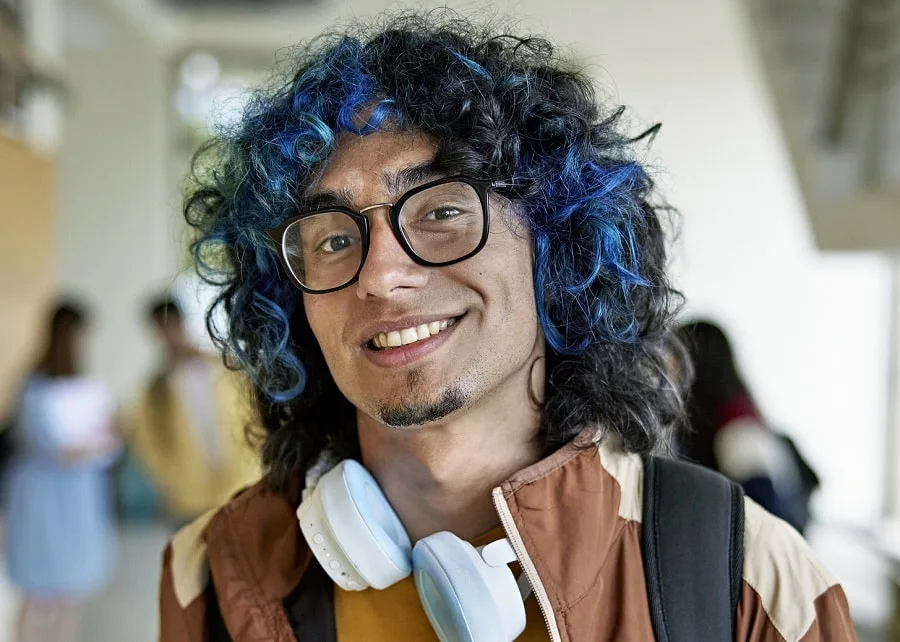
{"x":497,"y":106}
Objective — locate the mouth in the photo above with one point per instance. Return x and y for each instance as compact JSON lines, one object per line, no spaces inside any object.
{"x":388,"y":341}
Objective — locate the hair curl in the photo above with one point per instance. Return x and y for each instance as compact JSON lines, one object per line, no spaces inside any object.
{"x":498,"y":106}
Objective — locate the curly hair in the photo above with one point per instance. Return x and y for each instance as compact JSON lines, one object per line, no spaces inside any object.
{"x":498,"y":107}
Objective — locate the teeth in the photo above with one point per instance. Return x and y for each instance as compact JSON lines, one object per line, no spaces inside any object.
{"x":396,"y":338}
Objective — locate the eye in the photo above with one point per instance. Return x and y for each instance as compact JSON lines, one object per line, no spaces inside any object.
{"x":442,"y":214}
{"x":335,"y":244}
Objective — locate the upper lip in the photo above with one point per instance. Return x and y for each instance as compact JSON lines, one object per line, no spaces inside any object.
{"x":370,"y":331}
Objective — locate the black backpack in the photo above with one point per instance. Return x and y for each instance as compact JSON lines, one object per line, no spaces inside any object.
{"x":693,"y":549}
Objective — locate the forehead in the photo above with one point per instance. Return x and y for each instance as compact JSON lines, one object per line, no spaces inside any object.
{"x":380,"y":163}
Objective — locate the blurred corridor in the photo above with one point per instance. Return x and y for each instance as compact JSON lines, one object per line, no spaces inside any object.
{"x":125,"y":609}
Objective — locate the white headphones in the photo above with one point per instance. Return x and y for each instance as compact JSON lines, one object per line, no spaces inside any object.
{"x":469,"y":594}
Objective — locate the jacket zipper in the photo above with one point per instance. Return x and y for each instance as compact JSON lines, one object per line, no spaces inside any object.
{"x":515,"y":540}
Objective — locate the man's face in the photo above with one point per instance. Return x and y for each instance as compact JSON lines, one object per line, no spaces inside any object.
{"x":486,"y":302}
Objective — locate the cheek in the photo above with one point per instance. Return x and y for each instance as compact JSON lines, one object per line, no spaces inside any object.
{"x":321,"y":318}
{"x":517,"y":263}
{"x":507,"y":274}
{"x":524,"y":303}
{"x":523,"y":307}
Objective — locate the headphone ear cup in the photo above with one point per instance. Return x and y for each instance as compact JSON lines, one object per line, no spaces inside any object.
{"x":465,"y":599}
{"x":353,"y":531}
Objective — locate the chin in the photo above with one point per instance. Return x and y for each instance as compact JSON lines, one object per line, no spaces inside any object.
{"x":412,"y":413}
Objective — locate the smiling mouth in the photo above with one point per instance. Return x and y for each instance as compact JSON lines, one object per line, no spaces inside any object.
{"x":385,"y":341}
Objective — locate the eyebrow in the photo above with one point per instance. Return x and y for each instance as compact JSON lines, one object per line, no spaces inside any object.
{"x":402,"y":180}
{"x":396,"y":182}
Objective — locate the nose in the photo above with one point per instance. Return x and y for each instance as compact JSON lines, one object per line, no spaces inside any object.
{"x":388,"y":271}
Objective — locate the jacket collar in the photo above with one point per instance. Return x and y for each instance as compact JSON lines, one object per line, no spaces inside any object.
{"x":566,"y":516}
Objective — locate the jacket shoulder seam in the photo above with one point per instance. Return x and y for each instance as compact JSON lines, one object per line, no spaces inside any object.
{"x":771,"y":550}
{"x":620,"y":531}
{"x":189,"y":561}
{"x":765,"y":609}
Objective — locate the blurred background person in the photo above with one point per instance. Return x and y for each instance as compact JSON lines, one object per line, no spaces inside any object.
{"x":190,"y":422}
{"x":726,"y":431}
{"x":59,"y":529}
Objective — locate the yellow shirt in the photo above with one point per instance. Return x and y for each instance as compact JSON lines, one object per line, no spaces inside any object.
{"x":397,"y":614}
{"x":165,"y":443}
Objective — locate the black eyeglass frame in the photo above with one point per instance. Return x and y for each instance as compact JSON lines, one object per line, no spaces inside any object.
{"x":481,"y":187}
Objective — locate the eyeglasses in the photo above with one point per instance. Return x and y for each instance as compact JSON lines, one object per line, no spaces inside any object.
{"x":439,"y":223}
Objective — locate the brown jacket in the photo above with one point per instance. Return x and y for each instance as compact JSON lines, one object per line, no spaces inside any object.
{"x":575,"y":521}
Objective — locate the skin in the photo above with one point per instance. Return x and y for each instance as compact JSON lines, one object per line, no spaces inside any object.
{"x":477,"y":386}
{"x":174,"y":339}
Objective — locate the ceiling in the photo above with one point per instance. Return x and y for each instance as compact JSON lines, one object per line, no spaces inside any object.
{"x":232,"y":5}
{"x":233,"y":27}
{"x":834,"y":78}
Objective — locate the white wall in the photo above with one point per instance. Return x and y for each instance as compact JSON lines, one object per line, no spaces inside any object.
{"x":117,"y":219}
{"x":892,"y":449}
{"x":811,"y":330}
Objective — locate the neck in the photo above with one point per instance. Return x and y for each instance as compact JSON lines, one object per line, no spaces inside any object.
{"x":58,"y":361}
{"x":440,"y":477}
{"x":179,"y":353}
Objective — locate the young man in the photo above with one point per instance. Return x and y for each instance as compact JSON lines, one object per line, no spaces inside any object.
{"x":440,"y":259}
{"x":188,"y":425}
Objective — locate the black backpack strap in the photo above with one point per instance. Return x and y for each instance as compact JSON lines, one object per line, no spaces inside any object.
{"x":309,"y":609}
{"x":310,"y":606}
{"x":693,"y":548}
{"x":215,"y":625}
